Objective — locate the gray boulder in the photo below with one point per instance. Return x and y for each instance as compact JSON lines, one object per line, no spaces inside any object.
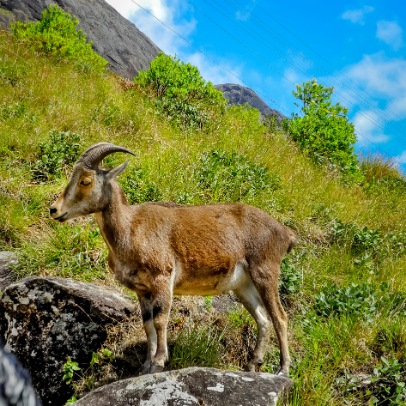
{"x":43,"y":321}
{"x":191,"y":386}
{"x":7,"y":276}
{"x":120,"y":42}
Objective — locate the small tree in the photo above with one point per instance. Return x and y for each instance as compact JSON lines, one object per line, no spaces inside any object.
{"x":180,"y":91}
{"x":57,"y":34}
{"x":324,"y":131}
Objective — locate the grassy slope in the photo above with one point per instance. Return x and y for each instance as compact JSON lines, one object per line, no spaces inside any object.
{"x":38,"y":95}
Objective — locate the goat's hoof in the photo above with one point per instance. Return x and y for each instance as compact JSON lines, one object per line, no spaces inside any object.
{"x":253,"y":366}
{"x":282,"y":372}
{"x":150,"y":368}
{"x":156,"y":368}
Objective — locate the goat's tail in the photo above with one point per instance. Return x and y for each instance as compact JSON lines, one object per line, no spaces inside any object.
{"x":293,"y":240}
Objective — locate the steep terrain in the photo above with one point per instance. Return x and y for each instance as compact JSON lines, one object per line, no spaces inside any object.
{"x":119,"y":41}
{"x":343,"y":286}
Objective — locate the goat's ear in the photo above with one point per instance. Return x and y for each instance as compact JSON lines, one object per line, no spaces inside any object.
{"x":112,"y":173}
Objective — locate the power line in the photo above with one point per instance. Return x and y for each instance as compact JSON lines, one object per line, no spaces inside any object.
{"x":265,"y":28}
{"x":256,"y":55}
{"x":209,"y":57}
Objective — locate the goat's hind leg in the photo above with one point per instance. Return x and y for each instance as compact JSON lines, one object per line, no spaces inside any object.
{"x":266,"y":281}
{"x":250,"y":298}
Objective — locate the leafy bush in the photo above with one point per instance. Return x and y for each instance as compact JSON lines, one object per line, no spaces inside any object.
{"x":61,"y":150}
{"x":291,"y":280}
{"x":368,"y":242}
{"x":12,"y":110}
{"x":138,"y":189}
{"x":386,"y":386}
{"x":228,"y":176}
{"x":56,"y":34}
{"x":324,"y":131}
{"x":355,"y":300}
{"x":180,"y":91}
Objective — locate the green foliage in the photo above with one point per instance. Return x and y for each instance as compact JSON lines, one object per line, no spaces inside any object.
{"x":229,"y":176}
{"x":368,"y":243}
{"x":138,"y":188}
{"x":69,"y":251}
{"x":197,"y":346}
{"x":57,"y":34}
{"x":239,"y":317}
{"x":386,"y":386}
{"x":59,"y":151}
{"x":291,"y":280}
{"x":324,"y":131}
{"x":360,"y":300}
{"x":70,"y":369}
{"x":180,"y":91}
{"x":382,"y":177}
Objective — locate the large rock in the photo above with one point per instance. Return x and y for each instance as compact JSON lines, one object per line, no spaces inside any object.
{"x":46,"y":320}
{"x":115,"y":38}
{"x":7,"y":262}
{"x":237,"y":94}
{"x":191,"y":386}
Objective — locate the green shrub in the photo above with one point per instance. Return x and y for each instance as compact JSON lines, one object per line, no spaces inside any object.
{"x":228,"y":176}
{"x":61,"y":150}
{"x":324,"y":131}
{"x":386,"y":386}
{"x":138,"y":188}
{"x":363,"y":241}
{"x":291,"y":280}
{"x":57,"y":34}
{"x":359,"y":300}
{"x":180,"y":91}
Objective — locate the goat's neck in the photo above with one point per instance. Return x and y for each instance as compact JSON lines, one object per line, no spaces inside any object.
{"x":114,"y":220}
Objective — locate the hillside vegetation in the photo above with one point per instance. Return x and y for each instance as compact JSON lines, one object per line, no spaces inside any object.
{"x":344,"y":285}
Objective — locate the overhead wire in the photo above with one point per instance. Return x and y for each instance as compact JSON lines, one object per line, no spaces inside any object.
{"x":240,"y":80}
{"x":356,"y":92}
{"x":294,"y":50}
{"x":266,"y":29}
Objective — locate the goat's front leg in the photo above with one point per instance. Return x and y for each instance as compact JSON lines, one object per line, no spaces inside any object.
{"x":146,"y":312}
{"x":156,"y":316}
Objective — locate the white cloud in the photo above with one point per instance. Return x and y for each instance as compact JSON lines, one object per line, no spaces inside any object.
{"x":128,"y":8}
{"x":367,"y":127}
{"x":401,"y":159}
{"x":217,"y":73}
{"x":357,"y":16}
{"x":158,"y":21}
{"x":391,"y":33}
{"x":382,"y":78}
{"x":245,"y":13}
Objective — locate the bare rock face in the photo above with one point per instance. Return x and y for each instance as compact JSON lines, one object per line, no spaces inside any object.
{"x":116,"y":39}
{"x":46,"y":320}
{"x":191,"y":386}
{"x":237,"y":94}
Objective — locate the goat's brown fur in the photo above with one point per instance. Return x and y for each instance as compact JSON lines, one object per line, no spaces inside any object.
{"x":162,"y":249}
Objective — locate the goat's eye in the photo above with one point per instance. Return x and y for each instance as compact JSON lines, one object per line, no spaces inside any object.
{"x":85,"y":181}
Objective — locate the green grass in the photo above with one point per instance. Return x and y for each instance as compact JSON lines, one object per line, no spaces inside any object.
{"x":352,"y":237}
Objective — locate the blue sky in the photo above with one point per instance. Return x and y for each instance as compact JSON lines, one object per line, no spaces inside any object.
{"x":359,"y":47}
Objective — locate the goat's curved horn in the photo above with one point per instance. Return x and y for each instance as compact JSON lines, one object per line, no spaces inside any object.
{"x":93,"y":155}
